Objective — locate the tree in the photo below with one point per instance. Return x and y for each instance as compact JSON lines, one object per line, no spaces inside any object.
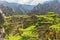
{"x":2,"y":20}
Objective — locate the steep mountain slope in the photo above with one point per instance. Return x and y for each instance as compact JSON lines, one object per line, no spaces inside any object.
{"x":15,"y":7}
{"x":7,"y":10}
{"x":52,"y":6}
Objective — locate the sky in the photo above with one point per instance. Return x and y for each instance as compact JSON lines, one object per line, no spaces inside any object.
{"x":31,"y":2}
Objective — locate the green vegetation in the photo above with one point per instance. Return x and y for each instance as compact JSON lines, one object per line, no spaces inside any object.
{"x":32,"y":27}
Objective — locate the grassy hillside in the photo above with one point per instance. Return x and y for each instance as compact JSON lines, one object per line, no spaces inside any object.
{"x":33,"y":27}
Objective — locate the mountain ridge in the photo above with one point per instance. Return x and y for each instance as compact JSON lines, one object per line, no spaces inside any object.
{"x":51,"y":6}
{"x":18,"y":8}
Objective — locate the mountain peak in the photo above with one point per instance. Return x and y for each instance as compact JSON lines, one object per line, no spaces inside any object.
{"x":10,"y":8}
{"x":52,"y":6}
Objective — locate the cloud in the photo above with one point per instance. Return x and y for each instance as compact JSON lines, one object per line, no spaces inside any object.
{"x":32,"y":2}
{"x":23,"y":1}
{"x":37,"y":1}
{"x":10,"y":0}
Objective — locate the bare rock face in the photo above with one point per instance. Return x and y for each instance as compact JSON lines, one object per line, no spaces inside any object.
{"x":52,"y":6}
{"x":1,"y":33}
{"x":2,"y":20}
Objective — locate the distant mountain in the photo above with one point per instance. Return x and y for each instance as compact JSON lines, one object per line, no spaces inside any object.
{"x":15,"y":8}
{"x":51,"y":6}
